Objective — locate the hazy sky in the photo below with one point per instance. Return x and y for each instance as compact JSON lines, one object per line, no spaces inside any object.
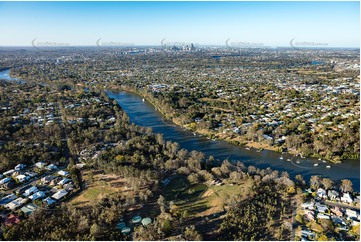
{"x":336,"y":24}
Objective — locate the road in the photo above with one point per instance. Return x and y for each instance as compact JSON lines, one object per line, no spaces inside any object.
{"x":293,"y":234}
{"x":342,"y":205}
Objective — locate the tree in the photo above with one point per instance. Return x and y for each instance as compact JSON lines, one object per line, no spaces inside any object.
{"x":327,"y":183}
{"x":161,"y":203}
{"x":191,"y":234}
{"x":95,"y":230}
{"x":346,"y":185}
{"x":299,"y":180}
{"x":315,"y":182}
{"x":193,"y":178}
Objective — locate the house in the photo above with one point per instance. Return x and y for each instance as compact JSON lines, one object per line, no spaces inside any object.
{"x":47,"y":179}
{"x":16,"y":203}
{"x":9,"y":185}
{"x":23,"y":189}
{"x":355,"y":223}
{"x":8,"y":173}
{"x":20,"y":167}
{"x":37,"y":195}
{"x":68,"y":187}
{"x":63,"y":173}
{"x":51,"y":167}
{"x":59,"y":194}
{"x":55,"y":181}
{"x":31,"y":173}
{"x":28,"y":209}
{"x":321,"y":208}
{"x":337,"y":211}
{"x":307,"y":233}
{"x":49,"y":201}
{"x":7,"y":199}
{"x":12,"y":220}
{"x":323,"y":216}
{"x":310,"y":215}
{"x":64,"y":181}
{"x":5,"y":180}
{"x":321,"y":193}
{"x":337,"y":220}
{"x":22,"y":178}
{"x":346,"y":197}
{"x":332,"y":194}
{"x":309,"y":205}
{"x":351,"y":213}
{"x":30,"y":191}
{"x":40,"y":164}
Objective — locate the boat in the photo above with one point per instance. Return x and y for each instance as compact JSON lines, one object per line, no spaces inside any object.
{"x":319,"y":158}
{"x":324,"y":161}
{"x":328,"y":166}
{"x":315,"y":164}
{"x":298,"y":162}
{"x":247,"y":148}
{"x":281,"y":158}
{"x":194,"y":134}
{"x":288,"y":159}
{"x":143,"y":99}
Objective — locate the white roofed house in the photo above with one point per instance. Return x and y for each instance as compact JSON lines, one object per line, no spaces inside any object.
{"x":5,"y":180}
{"x":351,"y":213}
{"x":20,"y":167}
{"x":9,"y":172}
{"x":16,"y":203}
{"x":332,"y":194}
{"x":59,"y":194}
{"x":51,"y":167}
{"x":321,"y":208}
{"x":323,"y":216}
{"x":63,"y":173}
{"x":30,"y":191}
{"x":64,"y":181}
{"x":40,"y":164}
{"x":22,"y":178}
{"x":49,"y":201}
{"x":321,"y":193}
{"x":37,"y":195}
{"x":309,"y":205}
{"x":346,"y":197}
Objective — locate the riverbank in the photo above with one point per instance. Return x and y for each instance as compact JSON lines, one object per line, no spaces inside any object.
{"x":235,"y":140}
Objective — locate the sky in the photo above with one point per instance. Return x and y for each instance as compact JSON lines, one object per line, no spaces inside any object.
{"x":325,"y":24}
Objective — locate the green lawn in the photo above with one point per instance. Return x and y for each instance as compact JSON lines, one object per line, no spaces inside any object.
{"x":225,"y":191}
{"x":94,"y":192}
{"x":192,"y":192}
{"x":174,"y":187}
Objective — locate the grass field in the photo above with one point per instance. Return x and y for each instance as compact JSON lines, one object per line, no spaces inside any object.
{"x":174,"y":187}
{"x":100,"y":185}
{"x":199,"y":199}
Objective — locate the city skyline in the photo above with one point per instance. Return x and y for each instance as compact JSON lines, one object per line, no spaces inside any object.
{"x":234,"y":24}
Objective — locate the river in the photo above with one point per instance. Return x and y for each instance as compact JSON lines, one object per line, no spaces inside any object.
{"x":5,"y":75}
{"x":144,"y":114}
